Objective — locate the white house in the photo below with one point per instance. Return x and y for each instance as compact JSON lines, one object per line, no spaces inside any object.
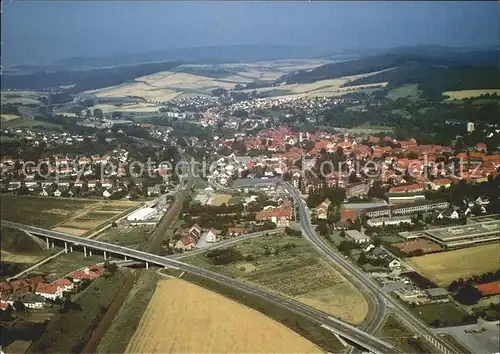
{"x":394,"y":264}
{"x":106,"y":194}
{"x":211,"y":236}
{"x":369,"y":248}
{"x":33,"y":301}
{"x":64,"y":284}
{"x":57,"y":193}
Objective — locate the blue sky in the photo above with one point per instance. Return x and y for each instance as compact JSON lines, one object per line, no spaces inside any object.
{"x":41,"y":31}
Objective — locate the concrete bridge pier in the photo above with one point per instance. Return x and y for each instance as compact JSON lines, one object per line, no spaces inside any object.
{"x":147,"y":265}
{"x":125,"y":258}
{"x":104,"y":254}
{"x":90,"y":252}
{"x":53,"y":245}
{"x":85,"y":251}
{"x":70,"y":248}
{"x":48,"y":244}
{"x":65,"y":247}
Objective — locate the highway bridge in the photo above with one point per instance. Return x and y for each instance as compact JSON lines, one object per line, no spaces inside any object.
{"x":345,"y":330}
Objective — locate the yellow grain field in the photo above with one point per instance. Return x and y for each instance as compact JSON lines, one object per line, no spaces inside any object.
{"x":445,"y":267}
{"x":185,"y":318}
{"x":462,"y":94}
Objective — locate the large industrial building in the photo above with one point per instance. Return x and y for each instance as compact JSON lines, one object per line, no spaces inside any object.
{"x":459,"y":236}
{"x":141,"y":214}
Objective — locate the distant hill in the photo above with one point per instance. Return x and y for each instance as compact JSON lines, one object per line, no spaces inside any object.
{"x":194,"y":55}
{"x":400,"y":58}
{"x":435,"y":69}
{"x":83,"y":80}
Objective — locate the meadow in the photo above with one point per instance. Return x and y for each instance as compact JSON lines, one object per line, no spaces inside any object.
{"x":444,"y":267}
{"x":41,"y":212}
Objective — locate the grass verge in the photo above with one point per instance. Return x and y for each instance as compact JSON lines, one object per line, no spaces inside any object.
{"x":127,"y":320}
{"x":398,"y":335}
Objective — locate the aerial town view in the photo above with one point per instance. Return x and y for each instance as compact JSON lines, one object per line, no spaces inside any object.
{"x":250,"y":177}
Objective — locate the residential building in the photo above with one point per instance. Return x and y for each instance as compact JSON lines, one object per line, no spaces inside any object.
{"x":356,"y":190}
{"x":195,"y":231}
{"x":186,"y":243}
{"x":64,"y":284}
{"x":322,"y":209}
{"x":49,"y":291}
{"x":236,"y":231}
{"x":437,"y":294}
{"x":90,"y":272}
{"x":33,"y":301}
{"x":211,"y":236}
{"x":280,"y":217}
{"x":356,"y":236}
{"x":394,"y":264}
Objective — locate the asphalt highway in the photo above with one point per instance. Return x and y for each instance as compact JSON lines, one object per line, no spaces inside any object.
{"x":343,"y":329}
{"x":382,"y":299}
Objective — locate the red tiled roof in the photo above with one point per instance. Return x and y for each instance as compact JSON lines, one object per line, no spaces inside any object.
{"x":347,"y":214}
{"x":46,"y":288}
{"x":407,"y":188}
{"x":267,"y":214}
{"x":491,"y":288}
{"x":187,"y":240}
{"x":62,"y":282}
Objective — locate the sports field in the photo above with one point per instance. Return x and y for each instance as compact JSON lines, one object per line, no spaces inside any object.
{"x":185,"y":318}
{"x":444,"y":267}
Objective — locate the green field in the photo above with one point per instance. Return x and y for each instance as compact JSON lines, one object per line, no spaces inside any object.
{"x":66,"y":263}
{"x":289,"y":265}
{"x":34,"y":124}
{"x":37,"y":211}
{"x":127,"y":320}
{"x":127,"y":236}
{"x":409,"y":91}
{"x":447,"y":313}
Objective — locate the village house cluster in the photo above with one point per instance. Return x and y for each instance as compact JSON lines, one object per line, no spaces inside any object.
{"x":34,"y":292}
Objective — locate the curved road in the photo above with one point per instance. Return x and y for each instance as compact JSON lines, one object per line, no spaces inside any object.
{"x":343,"y":329}
{"x":382,"y":299}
